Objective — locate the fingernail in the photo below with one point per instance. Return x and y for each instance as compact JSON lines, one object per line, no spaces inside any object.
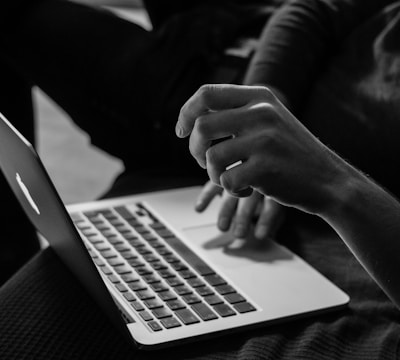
{"x":261,"y":232}
{"x":240,"y":231}
{"x":223,"y":224}
{"x":199,"y":206}
{"x":178,"y":130}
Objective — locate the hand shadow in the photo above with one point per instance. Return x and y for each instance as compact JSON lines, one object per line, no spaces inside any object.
{"x":266,"y":250}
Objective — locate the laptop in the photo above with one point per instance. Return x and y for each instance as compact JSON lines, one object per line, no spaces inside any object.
{"x":164,"y":274}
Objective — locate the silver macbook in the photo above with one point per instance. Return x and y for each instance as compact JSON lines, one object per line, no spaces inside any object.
{"x":163,"y":273}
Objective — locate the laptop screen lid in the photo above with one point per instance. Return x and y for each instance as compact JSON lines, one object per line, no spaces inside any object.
{"x":35,"y":192}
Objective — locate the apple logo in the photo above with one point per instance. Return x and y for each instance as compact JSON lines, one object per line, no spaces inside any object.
{"x":26,"y":193}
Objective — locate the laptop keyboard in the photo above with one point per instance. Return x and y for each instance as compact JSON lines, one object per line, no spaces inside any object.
{"x":161,"y":278}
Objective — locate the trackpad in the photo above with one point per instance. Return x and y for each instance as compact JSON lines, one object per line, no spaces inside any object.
{"x":226,"y":251}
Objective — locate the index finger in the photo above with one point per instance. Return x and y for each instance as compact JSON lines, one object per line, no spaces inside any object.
{"x":213,"y":98}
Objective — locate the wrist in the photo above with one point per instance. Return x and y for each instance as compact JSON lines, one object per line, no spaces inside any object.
{"x":345,"y":194}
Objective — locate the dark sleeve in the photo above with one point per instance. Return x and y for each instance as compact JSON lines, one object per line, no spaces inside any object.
{"x":299,"y":39}
{"x":160,"y":10}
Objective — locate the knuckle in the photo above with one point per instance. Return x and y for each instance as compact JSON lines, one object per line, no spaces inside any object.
{"x":213,"y":156}
{"x":262,"y":111}
{"x":267,"y":93}
{"x":205,"y":92}
{"x":201,"y":126}
{"x":228,"y":183}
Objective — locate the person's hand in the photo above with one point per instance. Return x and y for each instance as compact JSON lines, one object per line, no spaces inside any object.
{"x":241,"y":214}
{"x":265,"y":147}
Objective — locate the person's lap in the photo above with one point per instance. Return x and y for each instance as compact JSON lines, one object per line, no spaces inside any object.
{"x":45,"y":313}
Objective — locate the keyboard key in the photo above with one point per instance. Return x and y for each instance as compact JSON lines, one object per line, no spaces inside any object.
{"x":155,"y":326}
{"x":128,"y":255}
{"x":96,"y":239}
{"x":136,"y":243}
{"x":191,"y":299}
{"x":195,"y":282}
{"x":136,"y":263}
{"x":204,"y":291}
{"x":158,"y":265}
{"x":145,"y":315}
{"x":101,"y":225}
{"x":143,"y":250}
{"x":108,"y":233}
{"x":224,"y":310}
{"x":151,"y":278}
{"x":124,"y":212}
{"x":116,"y":222}
{"x":115,"y":262}
{"x":213,"y":300}
{"x":143,"y":270}
{"x":106,"y":270}
{"x":182,"y":290}
{"x":121,"y":287}
{"x":162,"y":250}
{"x":130,"y":277}
{"x":225,"y":289}
{"x":187,"y":316}
{"x":129,"y":296}
{"x":76,"y":217}
{"x":123,"y":269}
{"x":157,"y":225}
{"x":123,"y":228}
{"x":130,"y":236}
{"x":134,"y":222}
{"x":176,"y":304}
{"x":114,"y":279}
{"x":171,"y":259}
{"x":122,"y":247}
{"x":158,"y":245}
{"x":153,"y":303}
{"x":166,"y":295}
{"x":91,"y":252}
{"x":234,"y":298}
{"x":108,"y":254}
{"x":174,"y":281}
{"x":89,"y":232}
{"x":115,"y":240}
{"x":158,"y":286}
{"x":148,"y":237}
{"x":137,"y":286}
{"x":187,"y":274}
{"x":164,"y":232}
{"x":179,"y":266}
{"x":215,"y":280}
{"x":162,"y":313}
{"x":151,"y":258}
{"x":244,"y":307}
{"x":137,"y":305}
{"x":99,"y":262}
{"x":204,"y":312}
{"x":165,"y":273}
{"x":145,"y":294}
{"x":170,"y":323}
{"x":102,"y":246}
{"x":141,"y":229}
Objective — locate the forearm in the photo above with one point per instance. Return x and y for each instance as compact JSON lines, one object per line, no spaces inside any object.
{"x":300,"y":38}
{"x":367,"y":218}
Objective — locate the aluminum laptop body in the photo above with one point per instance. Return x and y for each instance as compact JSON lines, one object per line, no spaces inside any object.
{"x":163,"y":273}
